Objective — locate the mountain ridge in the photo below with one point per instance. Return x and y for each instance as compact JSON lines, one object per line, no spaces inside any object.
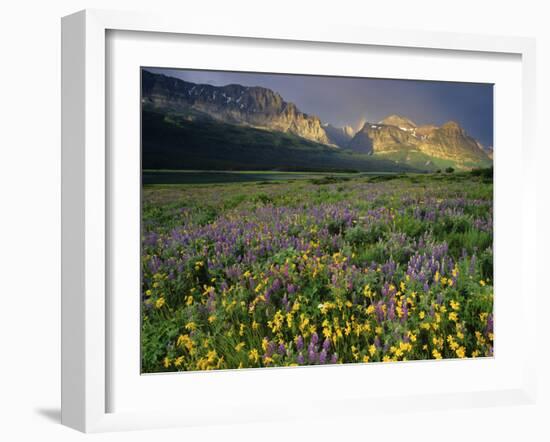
{"x":254,"y":106}
{"x":396,"y":137}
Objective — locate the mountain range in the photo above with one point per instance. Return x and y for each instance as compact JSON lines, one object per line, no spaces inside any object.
{"x":265,"y":131}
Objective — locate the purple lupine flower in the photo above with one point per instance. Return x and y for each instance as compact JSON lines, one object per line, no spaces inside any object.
{"x":326,"y":344}
{"x":405,"y":311}
{"x":379,"y":312}
{"x":314,"y":338}
{"x":391,"y":311}
{"x":490,"y":323}
{"x":334,"y":358}
{"x":323,"y":357}
{"x":312,"y":356}
{"x":300,"y":359}
{"x":286,"y":304}
{"x":377,"y":343}
{"x":299,"y":343}
{"x":282,"y":349}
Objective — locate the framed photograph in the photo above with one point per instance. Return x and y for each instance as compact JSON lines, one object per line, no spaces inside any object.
{"x":275,"y":223}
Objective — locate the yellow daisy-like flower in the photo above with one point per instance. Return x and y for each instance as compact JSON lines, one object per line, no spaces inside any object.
{"x":166,"y":362}
{"x":253,"y":355}
{"x":239,"y":346}
{"x":185,"y":341}
{"x":461,"y":352}
{"x":160,"y":302}
{"x":372,"y":349}
{"x":436,"y":354}
{"x":211,"y":356}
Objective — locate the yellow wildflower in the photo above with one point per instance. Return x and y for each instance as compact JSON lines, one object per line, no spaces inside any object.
{"x":160,"y":302}
{"x":185,"y":341}
{"x":211,"y":356}
{"x":253,"y":355}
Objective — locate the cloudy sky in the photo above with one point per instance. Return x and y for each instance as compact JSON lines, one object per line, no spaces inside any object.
{"x":346,"y":100}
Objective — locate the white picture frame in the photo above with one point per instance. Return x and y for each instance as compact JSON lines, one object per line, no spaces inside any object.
{"x":86,"y":205}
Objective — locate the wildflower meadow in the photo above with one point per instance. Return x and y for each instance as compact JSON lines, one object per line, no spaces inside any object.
{"x":336,"y":269}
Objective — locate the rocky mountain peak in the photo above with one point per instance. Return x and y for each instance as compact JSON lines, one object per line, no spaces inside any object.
{"x":399,"y":136}
{"x":452,"y":126}
{"x":399,"y":121}
{"x":340,"y":136}
{"x":251,"y":106}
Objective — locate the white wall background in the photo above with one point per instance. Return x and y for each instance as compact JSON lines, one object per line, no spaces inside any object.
{"x":30,"y":213}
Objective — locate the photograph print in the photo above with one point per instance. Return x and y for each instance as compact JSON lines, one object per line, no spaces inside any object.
{"x":304,"y":220}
